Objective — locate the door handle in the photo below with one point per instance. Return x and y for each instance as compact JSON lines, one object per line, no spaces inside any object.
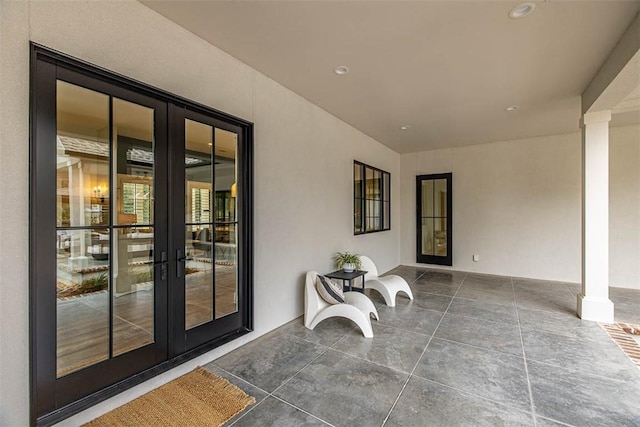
{"x":180,"y":261}
{"x":163,"y":264}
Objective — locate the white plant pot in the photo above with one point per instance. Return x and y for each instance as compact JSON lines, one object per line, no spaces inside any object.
{"x":348,"y":267}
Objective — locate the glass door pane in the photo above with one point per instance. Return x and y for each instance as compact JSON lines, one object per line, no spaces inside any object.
{"x":105,"y":227}
{"x":82,"y":228}
{"x":211,"y":193}
{"x":226,"y":223}
{"x":134,"y":226}
{"x":440,"y":216}
{"x":198,"y":271}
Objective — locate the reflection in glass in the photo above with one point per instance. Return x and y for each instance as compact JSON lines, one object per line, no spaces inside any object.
{"x":82,"y":282}
{"x":133,"y":163}
{"x":427,"y":198}
{"x":133,"y":276}
{"x":371,"y":199}
{"x":93,"y":259}
{"x":373,"y":206}
{"x":211,"y":223}
{"x":199,"y":236}
{"x":198,"y":276}
{"x":133,"y":248}
{"x":440,"y":214}
{"x":386,"y":208}
{"x":428,"y":243}
{"x":226,"y":223}
{"x":386,"y":197}
{"x":82,"y":202}
{"x":440,"y":197}
{"x":226,"y":267}
{"x":357,"y":198}
{"x":82,"y":174}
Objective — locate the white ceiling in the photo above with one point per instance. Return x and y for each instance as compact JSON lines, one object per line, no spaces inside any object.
{"x":447,"y":69}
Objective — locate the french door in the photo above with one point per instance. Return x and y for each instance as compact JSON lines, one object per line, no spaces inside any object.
{"x":135,"y":265}
{"x":206,"y":232}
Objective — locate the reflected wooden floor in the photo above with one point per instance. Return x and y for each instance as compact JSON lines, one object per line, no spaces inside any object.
{"x":198,"y":295}
{"x":83,"y":321}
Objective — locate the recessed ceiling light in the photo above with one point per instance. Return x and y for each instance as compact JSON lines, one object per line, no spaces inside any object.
{"x":522,"y":10}
{"x":512,"y":108}
{"x":405,"y":127}
{"x":341,"y":69}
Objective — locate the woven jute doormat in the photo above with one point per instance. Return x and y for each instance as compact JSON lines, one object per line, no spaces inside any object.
{"x":198,"y":398}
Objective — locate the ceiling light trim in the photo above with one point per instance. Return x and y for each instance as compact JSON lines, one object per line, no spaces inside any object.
{"x":522,"y":10}
{"x":341,"y":70}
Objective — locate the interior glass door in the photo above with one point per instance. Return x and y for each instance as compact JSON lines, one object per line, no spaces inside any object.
{"x":434,"y":203}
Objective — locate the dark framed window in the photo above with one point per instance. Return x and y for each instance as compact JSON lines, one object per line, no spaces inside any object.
{"x":371,"y":199}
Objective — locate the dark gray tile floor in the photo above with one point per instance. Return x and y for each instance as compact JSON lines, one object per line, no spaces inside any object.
{"x":470,"y":350}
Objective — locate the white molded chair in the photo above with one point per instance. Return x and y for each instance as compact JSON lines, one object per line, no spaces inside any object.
{"x":358,"y":307}
{"x":388,"y":286}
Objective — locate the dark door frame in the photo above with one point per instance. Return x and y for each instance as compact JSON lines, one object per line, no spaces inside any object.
{"x":434,"y":259}
{"x":53,"y":399}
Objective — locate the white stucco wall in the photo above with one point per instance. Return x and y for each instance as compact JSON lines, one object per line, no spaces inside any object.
{"x":14,"y":230}
{"x":303,"y":166}
{"x":624,"y":207}
{"x":517,"y":204}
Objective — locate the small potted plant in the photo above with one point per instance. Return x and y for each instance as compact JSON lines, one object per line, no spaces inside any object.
{"x":347,"y":261}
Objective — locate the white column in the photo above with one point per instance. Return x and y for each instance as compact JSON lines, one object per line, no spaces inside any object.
{"x":593,"y":301}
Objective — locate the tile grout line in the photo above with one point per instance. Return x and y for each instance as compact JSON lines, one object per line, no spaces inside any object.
{"x":284,"y":383}
{"x":303,"y":368}
{"x":244,"y":413}
{"x":524,"y":357}
{"x":493,"y":350}
{"x":423,"y":352}
{"x":578,"y":371}
{"x":302,"y":410}
{"x":476,"y":396}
